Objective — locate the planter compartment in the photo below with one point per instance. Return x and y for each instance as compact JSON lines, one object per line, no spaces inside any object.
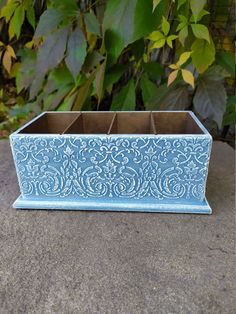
{"x":124,"y":161}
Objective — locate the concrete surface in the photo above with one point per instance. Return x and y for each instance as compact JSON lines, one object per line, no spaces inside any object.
{"x":129,"y":263}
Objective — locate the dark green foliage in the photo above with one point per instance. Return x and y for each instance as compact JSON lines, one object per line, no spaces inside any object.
{"x":118,"y":55}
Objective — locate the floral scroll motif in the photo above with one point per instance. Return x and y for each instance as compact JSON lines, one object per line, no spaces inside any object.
{"x":112,"y":166}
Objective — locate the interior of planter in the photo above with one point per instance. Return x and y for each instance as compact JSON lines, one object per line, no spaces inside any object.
{"x":138,"y":122}
{"x":175,"y":123}
{"x":51,"y":123}
{"x":132,"y":123}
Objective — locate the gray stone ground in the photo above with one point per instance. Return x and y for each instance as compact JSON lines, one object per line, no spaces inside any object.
{"x":109,"y":262}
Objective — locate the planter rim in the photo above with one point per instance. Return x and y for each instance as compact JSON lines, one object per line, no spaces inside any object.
{"x":196,"y":120}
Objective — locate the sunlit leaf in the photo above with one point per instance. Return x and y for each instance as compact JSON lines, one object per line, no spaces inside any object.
{"x":183,"y":58}
{"x":6,"y":61}
{"x":200,"y":31}
{"x":16,"y":22}
{"x":170,"y":39}
{"x":183,"y":34}
{"x":159,"y":43}
{"x":172,"y":76}
{"x":188,"y":77}
{"x":165,"y":26}
{"x":30,"y":15}
{"x":156,"y":35}
{"x":203,"y":54}
{"x":8,"y":10}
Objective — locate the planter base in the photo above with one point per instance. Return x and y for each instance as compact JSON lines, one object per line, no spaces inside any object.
{"x":52,"y":204}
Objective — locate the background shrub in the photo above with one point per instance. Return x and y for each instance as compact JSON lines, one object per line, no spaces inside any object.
{"x":117,"y":55}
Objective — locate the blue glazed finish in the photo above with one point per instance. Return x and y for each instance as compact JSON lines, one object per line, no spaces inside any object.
{"x":117,"y":172}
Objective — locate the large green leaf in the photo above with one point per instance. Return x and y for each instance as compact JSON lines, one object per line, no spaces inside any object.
{"x":227,"y":61}
{"x":154,"y":69}
{"x":210,"y":100}
{"x":200,"y":31}
{"x":148,"y":89}
{"x":203,"y":54}
{"x":76,"y":51}
{"x":127,"y":21}
{"x":169,"y":98}
{"x":52,"y":51}
{"x":48,"y":22}
{"x":16,"y":22}
{"x":216,"y":73}
{"x":125,"y":99}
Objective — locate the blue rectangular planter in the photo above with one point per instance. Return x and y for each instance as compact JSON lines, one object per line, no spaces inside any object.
{"x":119,"y":161}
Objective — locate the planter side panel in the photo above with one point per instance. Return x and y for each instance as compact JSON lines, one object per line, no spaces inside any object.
{"x":158,"y":168}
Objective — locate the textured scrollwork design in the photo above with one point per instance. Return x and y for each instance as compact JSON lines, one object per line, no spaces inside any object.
{"x":112,"y":166}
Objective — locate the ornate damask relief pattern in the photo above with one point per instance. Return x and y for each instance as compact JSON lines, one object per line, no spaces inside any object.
{"x":124,"y":167}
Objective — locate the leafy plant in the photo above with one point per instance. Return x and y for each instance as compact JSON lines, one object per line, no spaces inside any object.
{"x":118,"y":55}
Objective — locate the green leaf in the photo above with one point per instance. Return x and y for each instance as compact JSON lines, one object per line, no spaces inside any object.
{"x":138,"y":48}
{"x":125,"y":99}
{"x":170,"y":39}
{"x":76,"y":51}
{"x":92,"y":24}
{"x":100,"y":80}
{"x":154,"y":69}
{"x":48,"y":22}
{"x":113,"y":75}
{"x":183,"y":58}
{"x":16,"y":22}
{"x":216,"y":73}
{"x":92,"y":60}
{"x":8,"y":10}
{"x":51,"y":52}
{"x":226,"y":60}
{"x":200,"y":31}
{"x":159,"y":43}
{"x":148,"y":88}
{"x":209,"y":100}
{"x":230,"y":115}
{"x":188,"y":77}
{"x":156,"y":35}
{"x":180,"y":3}
{"x":170,"y":98}
{"x":165,"y":26}
{"x":183,"y":34}
{"x":155,"y":4}
{"x":203,"y":54}
{"x":196,"y":7}
{"x":127,"y":21}
{"x":31,"y":15}
{"x":26,"y":73}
